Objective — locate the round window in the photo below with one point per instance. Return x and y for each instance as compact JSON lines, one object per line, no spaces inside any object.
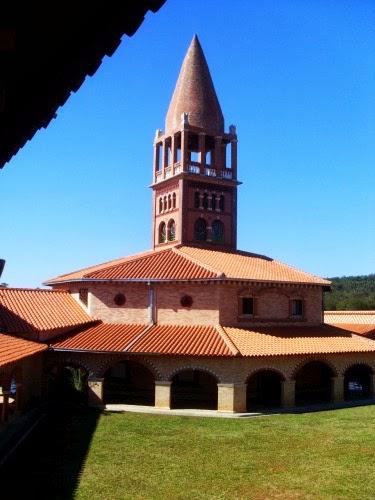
{"x":119,"y":299}
{"x":186,"y":301}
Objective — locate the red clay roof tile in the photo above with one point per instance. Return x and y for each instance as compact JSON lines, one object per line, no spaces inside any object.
{"x":190,"y":263}
{"x":281,"y":341}
{"x":13,"y":349}
{"x":189,"y":340}
{"x":157,"y":339}
{"x":110,"y":337}
{"x":183,"y":340}
{"x":350,"y":317}
{"x":25,"y":310}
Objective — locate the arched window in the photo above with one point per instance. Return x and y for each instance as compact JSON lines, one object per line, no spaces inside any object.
{"x":160,"y":205}
{"x":222,"y":203}
{"x":197,"y":199}
{"x":200,"y":230}
{"x":171,"y":230}
{"x":205,"y":201}
{"x":162,"y":233}
{"x":169,"y":202}
{"x":213,"y":202}
{"x":174,"y":200}
{"x":165,"y":203}
{"x":217,"y":231}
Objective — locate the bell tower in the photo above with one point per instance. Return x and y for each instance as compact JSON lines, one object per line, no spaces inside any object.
{"x":195,"y":165}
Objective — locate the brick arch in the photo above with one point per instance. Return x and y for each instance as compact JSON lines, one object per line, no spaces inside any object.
{"x":68,"y":361}
{"x":347,"y":366}
{"x":193,"y":367}
{"x":320,"y":359}
{"x":266,"y":368}
{"x":109,"y":362}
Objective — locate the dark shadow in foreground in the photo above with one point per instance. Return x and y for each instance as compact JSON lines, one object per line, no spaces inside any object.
{"x":48,"y":464}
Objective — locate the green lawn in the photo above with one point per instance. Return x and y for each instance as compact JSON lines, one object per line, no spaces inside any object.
{"x":318,"y":455}
{"x":86,"y":454}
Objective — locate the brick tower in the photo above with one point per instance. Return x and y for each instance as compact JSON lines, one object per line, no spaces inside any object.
{"x":195,"y":165}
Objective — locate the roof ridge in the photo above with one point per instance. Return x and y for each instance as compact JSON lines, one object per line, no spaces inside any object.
{"x":231,"y":345}
{"x":196,"y":261}
{"x":132,"y":258}
{"x":139,"y":337}
{"x":110,"y":263}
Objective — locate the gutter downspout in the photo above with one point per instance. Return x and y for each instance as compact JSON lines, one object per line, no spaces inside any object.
{"x":151,"y":304}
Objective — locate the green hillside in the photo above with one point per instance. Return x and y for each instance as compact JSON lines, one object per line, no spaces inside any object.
{"x":351,"y":293}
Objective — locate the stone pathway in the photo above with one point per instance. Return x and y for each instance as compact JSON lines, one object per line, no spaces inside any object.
{"x":221,"y":414}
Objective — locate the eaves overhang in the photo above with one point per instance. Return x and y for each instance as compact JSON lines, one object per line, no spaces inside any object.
{"x":218,"y":279}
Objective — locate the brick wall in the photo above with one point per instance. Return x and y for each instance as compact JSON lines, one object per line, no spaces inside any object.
{"x":135,"y":310}
{"x":272,"y":304}
{"x":212,"y":303}
{"x":204,"y":310}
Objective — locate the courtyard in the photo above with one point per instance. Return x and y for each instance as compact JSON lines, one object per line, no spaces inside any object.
{"x":102,"y":455}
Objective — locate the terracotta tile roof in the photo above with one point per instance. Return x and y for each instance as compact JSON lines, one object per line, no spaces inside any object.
{"x":29,"y":310}
{"x":189,"y":340}
{"x":157,"y":339}
{"x":247,"y":266}
{"x":350,"y":317}
{"x":361,"y":322}
{"x":365,"y":330}
{"x":13,"y":349}
{"x":155,"y":265}
{"x":190,"y":263}
{"x":281,"y":341}
{"x":103,"y":337}
{"x":184,"y":340}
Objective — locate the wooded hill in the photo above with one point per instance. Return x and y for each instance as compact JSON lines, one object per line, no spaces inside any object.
{"x":356,"y":293}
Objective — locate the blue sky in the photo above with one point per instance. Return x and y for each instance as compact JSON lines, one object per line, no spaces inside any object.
{"x":298,"y":80}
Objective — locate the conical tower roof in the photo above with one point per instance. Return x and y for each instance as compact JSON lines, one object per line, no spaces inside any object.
{"x":195,"y":94}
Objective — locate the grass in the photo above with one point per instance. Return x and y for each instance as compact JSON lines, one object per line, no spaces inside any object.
{"x":317,"y":455}
{"x":91,"y":455}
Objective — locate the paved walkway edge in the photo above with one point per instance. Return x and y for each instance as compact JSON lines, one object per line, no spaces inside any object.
{"x":219,"y":414}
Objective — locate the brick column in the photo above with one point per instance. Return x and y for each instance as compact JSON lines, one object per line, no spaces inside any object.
{"x":156,"y":159}
{"x":231,"y":397}
{"x":184,"y":149}
{"x":173,"y":152}
{"x":163,"y":394}
{"x":372,"y":386}
{"x":288,"y":393}
{"x":95,"y":386}
{"x":164,"y":157}
{"x":233,"y":158}
{"x":218,"y":159}
{"x":337,"y":389}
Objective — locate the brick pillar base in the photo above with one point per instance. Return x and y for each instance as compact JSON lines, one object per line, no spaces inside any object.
{"x":163,"y":394}
{"x":288,"y":393}
{"x":95,"y":386}
{"x":337,"y":389}
{"x":231,"y":397}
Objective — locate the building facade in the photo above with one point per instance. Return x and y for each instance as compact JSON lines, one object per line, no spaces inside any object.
{"x":194,"y":322}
